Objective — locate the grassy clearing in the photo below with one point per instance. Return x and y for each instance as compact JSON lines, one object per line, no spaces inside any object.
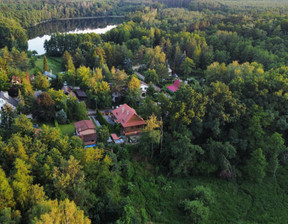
{"x":67,"y":129}
{"x":54,"y":64}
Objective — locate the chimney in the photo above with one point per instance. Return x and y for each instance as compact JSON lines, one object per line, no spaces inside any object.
{"x":123,"y":109}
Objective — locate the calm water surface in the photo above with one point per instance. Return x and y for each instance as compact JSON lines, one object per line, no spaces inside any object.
{"x":38,"y":34}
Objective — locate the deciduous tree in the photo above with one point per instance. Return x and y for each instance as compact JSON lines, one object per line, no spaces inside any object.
{"x":256,"y":166}
{"x":45,"y":108}
{"x":22,"y":182}
{"x":6,"y":192}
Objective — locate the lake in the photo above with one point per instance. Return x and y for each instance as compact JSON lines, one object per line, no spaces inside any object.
{"x":41,"y":32}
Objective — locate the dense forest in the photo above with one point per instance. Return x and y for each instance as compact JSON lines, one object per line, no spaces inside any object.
{"x":214,"y":151}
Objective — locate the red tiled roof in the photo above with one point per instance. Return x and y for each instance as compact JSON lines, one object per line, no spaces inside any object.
{"x":84,"y":125}
{"x":175,"y":86}
{"x":123,"y":115}
{"x":114,"y":136}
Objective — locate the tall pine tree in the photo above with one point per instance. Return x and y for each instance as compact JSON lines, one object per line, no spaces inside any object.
{"x":45,"y":64}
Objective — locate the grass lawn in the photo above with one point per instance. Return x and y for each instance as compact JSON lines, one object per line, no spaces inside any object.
{"x":54,"y":64}
{"x":67,"y":129}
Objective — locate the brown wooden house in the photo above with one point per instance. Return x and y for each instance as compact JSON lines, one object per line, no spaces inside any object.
{"x":86,"y":131}
{"x":130,"y":121}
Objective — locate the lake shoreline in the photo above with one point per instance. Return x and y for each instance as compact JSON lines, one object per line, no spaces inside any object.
{"x":75,"y":18}
{"x":42,"y":32}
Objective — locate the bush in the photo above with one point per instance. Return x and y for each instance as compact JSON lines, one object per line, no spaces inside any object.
{"x":197,"y":211}
{"x":61,"y":117}
{"x":203,"y":194}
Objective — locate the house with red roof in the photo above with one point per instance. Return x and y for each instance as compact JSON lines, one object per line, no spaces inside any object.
{"x":116,"y":139}
{"x":175,"y":86}
{"x":86,"y":131}
{"x":130,"y":121}
{"x":15,"y":80}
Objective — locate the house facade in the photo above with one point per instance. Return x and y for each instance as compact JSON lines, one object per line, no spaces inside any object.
{"x":143,"y":87}
{"x":130,"y":121}
{"x":116,"y":96}
{"x":86,"y":131}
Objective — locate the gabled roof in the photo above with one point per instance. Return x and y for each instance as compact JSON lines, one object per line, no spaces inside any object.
{"x":80,"y":93}
{"x":84,"y":125}
{"x":143,"y":83}
{"x":117,"y":140}
{"x":50,"y":75}
{"x":175,"y":86}
{"x":68,"y":91}
{"x":114,"y":136}
{"x":124,"y":115}
{"x":8,"y":99}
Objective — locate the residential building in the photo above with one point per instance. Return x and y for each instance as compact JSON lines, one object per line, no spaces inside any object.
{"x":173,"y":88}
{"x":5,"y":98}
{"x":80,"y":94}
{"x":143,"y":87}
{"x":49,"y":75}
{"x":130,"y":121}
{"x":116,"y":96}
{"x":15,"y":80}
{"x":67,"y":90}
{"x":86,"y":131}
{"x":116,"y":139}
